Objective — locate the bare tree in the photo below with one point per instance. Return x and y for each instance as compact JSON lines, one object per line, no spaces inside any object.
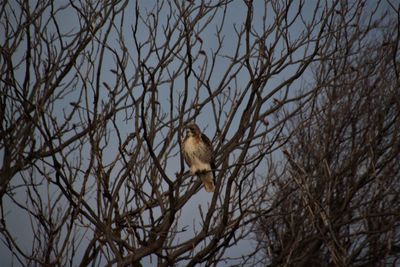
{"x":337,"y":198}
{"x":94,"y":97}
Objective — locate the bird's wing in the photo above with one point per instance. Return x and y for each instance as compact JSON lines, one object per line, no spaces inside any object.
{"x":210,"y":154}
{"x":206,"y":154}
{"x":206,"y":141}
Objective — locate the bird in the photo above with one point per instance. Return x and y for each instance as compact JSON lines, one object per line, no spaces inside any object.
{"x":199,"y":156}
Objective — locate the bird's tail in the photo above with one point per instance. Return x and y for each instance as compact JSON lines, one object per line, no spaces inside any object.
{"x":208,"y":181}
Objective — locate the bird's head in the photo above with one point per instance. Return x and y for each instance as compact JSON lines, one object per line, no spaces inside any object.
{"x":192,"y":129}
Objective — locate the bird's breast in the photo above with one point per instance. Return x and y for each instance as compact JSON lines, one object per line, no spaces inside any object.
{"x":194,"y":149}
{"x":191,"y":145}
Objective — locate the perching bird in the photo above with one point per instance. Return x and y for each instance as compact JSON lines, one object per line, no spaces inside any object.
{"x":198,"y":154}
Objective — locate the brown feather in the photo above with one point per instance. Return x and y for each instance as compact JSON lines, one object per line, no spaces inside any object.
{"x":198,"y":154}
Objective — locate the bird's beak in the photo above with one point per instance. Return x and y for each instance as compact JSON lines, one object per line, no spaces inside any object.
{"x":187,"y":130}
